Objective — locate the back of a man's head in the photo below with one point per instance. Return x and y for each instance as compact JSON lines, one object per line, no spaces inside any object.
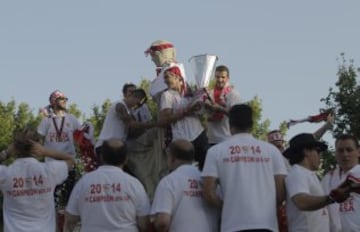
{"x":241,"y":117}
{"x":23,"y":140}
{"x":182,"y":149}
{"x":113,"y":152}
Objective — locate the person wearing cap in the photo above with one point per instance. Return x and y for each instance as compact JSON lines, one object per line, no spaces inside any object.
{"x":178,"y":108}
{"x":223,"y":97}
{"x":178,"y":203}
{"x":251,"y":174}
{"x":108,"y":199}
{"x":27,"y":184}
{"x":346,"y":215}
{"x":306,"y":200}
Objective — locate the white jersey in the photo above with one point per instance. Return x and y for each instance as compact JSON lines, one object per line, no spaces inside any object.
{"x":345,"y":217}
{"x":218,"y":131}
{"x":188,"y":128}
{"x":245,"y":168}
{"x":179,"y":194}
{"x":59,"y":133}
{"x":113,"y":126}
{"x":302,"y":180}
{"x":142,"y":114}
{"x":28,"y":189}
{"x":108,"y":199}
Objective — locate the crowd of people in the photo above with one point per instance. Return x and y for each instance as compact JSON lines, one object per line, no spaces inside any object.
{"x":174,"y":173}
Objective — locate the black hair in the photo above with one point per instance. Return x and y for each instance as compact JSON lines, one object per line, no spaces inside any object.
{"x":113,"y":155}
{"x":180,"y":152}
{"x":222,"y":68}
{"x":241,"y":117}
{"x":127,"y":86}
{"x":347,"y":137}
{"x":140,"y":94}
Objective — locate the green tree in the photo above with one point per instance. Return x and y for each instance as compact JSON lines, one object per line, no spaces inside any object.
{"x":13,"y":117}
{"x":98,"y":116}
{"x":261,"y":127}
{"x":345,"y":99}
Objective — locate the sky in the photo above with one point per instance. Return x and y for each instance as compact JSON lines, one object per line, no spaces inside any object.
{"x":285,"y":52}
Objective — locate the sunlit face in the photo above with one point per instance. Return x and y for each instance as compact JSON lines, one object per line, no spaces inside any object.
{"x":221,"y":78}
{"x":171,"y":80}
{"x":346,"y":154}
{"x":61,"y":103}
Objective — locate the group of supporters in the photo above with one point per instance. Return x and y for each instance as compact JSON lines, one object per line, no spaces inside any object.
{"x":218,"y":178}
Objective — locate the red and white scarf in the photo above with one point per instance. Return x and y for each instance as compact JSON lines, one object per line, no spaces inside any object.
{"x":220,"y":97}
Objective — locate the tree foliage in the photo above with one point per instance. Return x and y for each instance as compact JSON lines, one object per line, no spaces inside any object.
{"x":345,"y":99}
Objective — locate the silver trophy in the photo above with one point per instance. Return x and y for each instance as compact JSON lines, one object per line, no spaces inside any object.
{"x":203,"y":67}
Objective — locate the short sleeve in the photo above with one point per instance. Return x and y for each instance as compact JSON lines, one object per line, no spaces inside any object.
{"x":210,"y":167}
{"x":43,"y":127}
{"x":279,"y":165}
{"x":142,"y":204}
{"x":164,"y":199}
{"x":166,"y":101}
{"x":296,"y":183}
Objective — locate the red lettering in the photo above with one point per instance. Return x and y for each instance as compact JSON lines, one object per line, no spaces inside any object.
{"x":95,"y":188}
{"x":193,"y":183}
{"x":18,"y":182}
{"x":116,"y":187}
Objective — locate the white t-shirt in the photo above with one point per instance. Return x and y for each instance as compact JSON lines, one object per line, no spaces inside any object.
{"x":142,"y":114}
{"x":179,"y":194}
{"x":246,"y":167}
{"x":345,"y":217}
{"x":28,"y":189}
{"x":188,"y":128}
{"x":302,"y":180}
{"x":218,"y":131}
{"x":59,"y":134}
{"x":108,"y":199}
{"x":113,"y":126}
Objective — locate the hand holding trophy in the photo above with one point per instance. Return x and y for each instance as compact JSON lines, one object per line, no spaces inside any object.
{"x":203,"y":67}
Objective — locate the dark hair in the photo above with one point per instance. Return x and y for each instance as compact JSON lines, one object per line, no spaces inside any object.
{"x":222,"y":68}
{"x":241,"y":117}
{"x":299,"y":155}
{"x":140,"y":94}
{"x":127,"y":86}
{"x":182,"y":151}
{"x":347,"y":137}
{"x":113,"y":154}
{"x":24,"y":138}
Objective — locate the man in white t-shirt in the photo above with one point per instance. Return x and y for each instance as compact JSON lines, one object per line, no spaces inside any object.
{"x":108,"y":199}
{"x":179,"y":109}
{"x":345,"y":217}
{"x":178,"y":203}
{"x":58,"y":126}
{"x":306,"y":200}
{"x":28,"y":185}
{"x":251,"y":174}
{"x":223,"y":97}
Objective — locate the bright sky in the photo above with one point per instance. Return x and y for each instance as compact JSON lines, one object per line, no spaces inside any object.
{"x":285,"y":52}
